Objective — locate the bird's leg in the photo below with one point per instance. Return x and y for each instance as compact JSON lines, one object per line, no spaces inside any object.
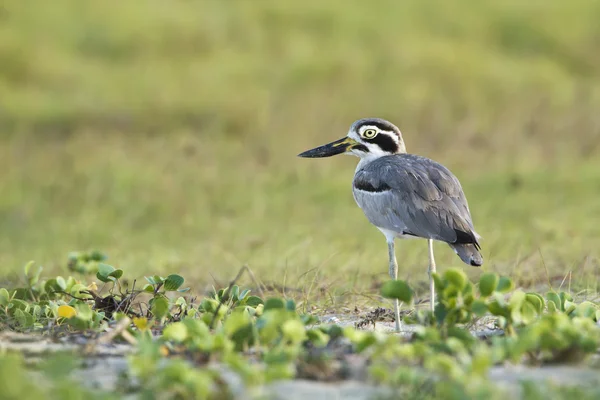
{"x":431,"y":271}
{"x":394,"y":275}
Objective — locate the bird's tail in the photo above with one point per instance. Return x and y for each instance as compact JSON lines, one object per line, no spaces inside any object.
{"x":469,"y":253}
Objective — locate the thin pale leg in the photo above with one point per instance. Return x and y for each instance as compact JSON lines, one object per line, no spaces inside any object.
{"x":431,"y":271}
{"x":394,"y":275}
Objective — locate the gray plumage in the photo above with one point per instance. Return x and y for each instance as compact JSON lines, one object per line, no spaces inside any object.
{"x":416,"y":196}
{"x":405,"y":195}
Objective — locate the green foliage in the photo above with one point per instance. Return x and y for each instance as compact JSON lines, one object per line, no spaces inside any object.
{"x":396,"y":289}
{"x":263,"y":340}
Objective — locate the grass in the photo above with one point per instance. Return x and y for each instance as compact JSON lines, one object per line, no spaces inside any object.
{"x":166,"y":135}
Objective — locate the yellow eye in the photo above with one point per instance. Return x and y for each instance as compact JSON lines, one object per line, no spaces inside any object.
{"x":369,"y":133}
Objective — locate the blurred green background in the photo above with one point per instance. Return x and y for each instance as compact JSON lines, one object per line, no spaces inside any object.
{"x":165,"y":133}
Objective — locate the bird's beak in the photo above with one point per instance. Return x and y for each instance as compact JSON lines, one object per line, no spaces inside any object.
{"x":331,"y":149}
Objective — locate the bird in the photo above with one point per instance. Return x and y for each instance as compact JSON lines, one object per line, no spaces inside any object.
{"x":405,"y":195}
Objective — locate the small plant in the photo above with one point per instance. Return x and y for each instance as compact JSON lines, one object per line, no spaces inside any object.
{"x":266,"y":339}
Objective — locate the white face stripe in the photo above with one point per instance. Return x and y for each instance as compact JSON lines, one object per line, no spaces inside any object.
{"x":363,"y":128}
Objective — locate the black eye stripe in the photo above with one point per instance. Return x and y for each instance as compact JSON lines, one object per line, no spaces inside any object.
{"x":385,"y":142}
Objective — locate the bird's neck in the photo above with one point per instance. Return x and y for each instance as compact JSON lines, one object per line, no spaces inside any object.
{"x":369,"y":158}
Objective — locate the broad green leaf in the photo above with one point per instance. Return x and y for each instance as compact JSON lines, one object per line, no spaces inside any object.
{"x":274,"y":303}
{"x":254,"y":301}
{"x":290,"y":305}
{"x":586,"y":309}
{"x":317,"y":337}
{"x":160,"y":306}
{"x":554,"y":298}
{"x":244,"y":293}
{"x":28,"y":266}
{"x":497,"y":309}
{"x":117,"y":273}
{"x":148,"y":288}
{"x":504,"y":285}
{"x":150,"y":280}
{"x":176,"y":331}
{"x":235,"y":321}
{"x":97,"y":256}
{"x":440,"y":285}
{"x":234,"y":292}
{"x":105,"y":270}
{"x":456,"y":277}
{"x":24,"y":319}
{"x":62,"y":284}
{"x":536,"y":301}
{"x":65,"y":311}
{"x":528,"y":312}
{"x":397,"y":289}
{"x":294,"y":331}
{"x":76,"y":291}
{"x":18,"y":304}
{"x":487,"y":284}
{"x":173,"y":282}
{"x":516,"y":300}
{"x":479,"y":307}
{"x":84,"y":311}
{"x":4,"y":297}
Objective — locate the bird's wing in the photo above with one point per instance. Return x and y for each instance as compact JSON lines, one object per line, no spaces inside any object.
{"x":414,"y":195}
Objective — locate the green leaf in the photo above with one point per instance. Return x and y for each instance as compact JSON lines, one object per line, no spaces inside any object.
{"x":160,"y":306}
{"x":173,"y":282}
{"x":274,"y":303}
{"x":586,"y":309}
{"x":504,"y":285}
{"x":148,"y":288}
{"x":536,"y":301}
{"x":117,"y":273}
{"x":456,"y":277}
{"x":479,"y":307}
{"x":97,"y":256}
{"x":487,"y":284}
{"x":290,"y":305}
{"x":397,"y":289}
{"x":552,"y":297}
{"x":318,"y":337}
{"x":234,"y":292}
{"x":150,"y":280}
{"x":84,"y":311}
{"x":243,"y":294}
{"x":254,"y":301}
{"x":28,"y":266}
{"x":24,"y":319}
{"x":62,"y":284}
{"x":516,"y":300}
{"x":176,"y":331}
{"x":294,"y":331}
{"x":528,"y":312}
{"x":104,"y":271}
{"x":440,"y":284}
{"x":498,"y":309}
{"x":4,"y":297}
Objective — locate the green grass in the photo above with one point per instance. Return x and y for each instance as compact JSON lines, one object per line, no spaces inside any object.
{"x":167,"y":134}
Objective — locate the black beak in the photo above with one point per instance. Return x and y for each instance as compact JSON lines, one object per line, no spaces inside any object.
{"x":331,"y":149}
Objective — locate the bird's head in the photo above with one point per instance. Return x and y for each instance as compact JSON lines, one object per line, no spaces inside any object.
{"x":367,"y":138}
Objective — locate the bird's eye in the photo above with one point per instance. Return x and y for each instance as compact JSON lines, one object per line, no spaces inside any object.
{"x":369,"y":133}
